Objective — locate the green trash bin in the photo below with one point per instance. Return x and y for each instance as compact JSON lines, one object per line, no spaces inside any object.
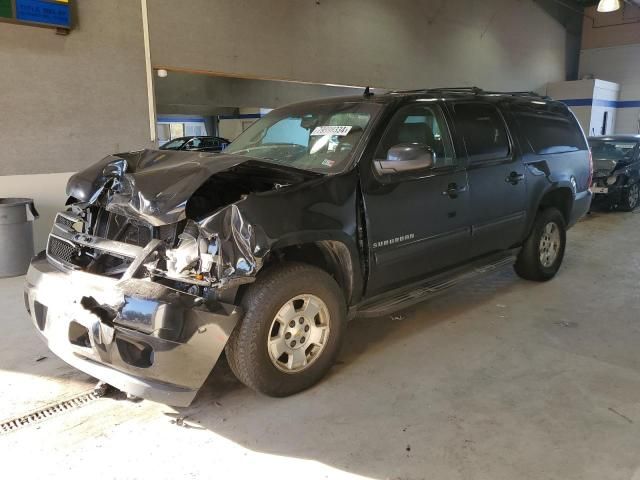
{"x":16,"y":235}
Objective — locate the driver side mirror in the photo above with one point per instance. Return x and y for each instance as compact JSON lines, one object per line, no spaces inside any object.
{"x":407,"y":157}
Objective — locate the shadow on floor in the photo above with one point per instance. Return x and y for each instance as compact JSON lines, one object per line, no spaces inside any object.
{"x":363,"y":404}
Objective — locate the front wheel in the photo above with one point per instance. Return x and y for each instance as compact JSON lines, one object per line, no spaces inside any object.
{"x":630,"y":198}
{"x":291,"y":332}
{"x":543,"y":251}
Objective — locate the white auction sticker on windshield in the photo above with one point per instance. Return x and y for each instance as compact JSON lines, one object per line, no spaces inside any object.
{"x":341,"y":130}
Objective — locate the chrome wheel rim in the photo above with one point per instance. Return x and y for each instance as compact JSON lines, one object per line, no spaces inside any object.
{"x":298,"y":333}
{"x":633,"y":195}
{"x":549,"y":244}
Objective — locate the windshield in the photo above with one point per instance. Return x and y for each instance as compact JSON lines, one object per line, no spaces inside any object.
{"x":612,"y":149}
{"x":174,"y":144}
{"x":321,"y":138}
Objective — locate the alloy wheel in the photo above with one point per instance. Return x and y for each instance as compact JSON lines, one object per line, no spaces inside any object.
{"x":633,"y":195}
{"x":298,"y":333}
{"x":549,"y":244}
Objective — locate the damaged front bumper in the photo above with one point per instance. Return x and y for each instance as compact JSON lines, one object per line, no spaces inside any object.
{"x":140,"y":336}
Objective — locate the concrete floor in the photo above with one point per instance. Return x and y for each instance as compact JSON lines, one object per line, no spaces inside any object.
{"x":499,"y":379}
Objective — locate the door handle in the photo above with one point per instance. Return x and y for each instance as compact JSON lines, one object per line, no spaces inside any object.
{"x":514,"y":178}
{"x":453,"y":190}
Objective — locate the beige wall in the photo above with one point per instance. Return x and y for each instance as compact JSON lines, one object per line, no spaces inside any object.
{"x":67,"y":101}
{"x":602,"y":30}
{"x":611,"y":51}
{"x":498,"y":44}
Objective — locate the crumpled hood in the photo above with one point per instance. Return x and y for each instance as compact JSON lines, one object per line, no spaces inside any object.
{"x":155,"y":185}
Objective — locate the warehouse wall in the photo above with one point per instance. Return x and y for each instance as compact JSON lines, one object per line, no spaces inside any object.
{"x":67,"y":101}
{"x":611,"y":50}
{"x":498,"y":44}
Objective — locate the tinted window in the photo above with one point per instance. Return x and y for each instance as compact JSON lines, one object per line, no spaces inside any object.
{"x":548,"y":128}
{"x":419,"y":124}
{"x":193,"y":144}
{"x":174,"y":144}
{"x":613,"y":149}
{"x":208,"y":143}
{"x":482,"y":130}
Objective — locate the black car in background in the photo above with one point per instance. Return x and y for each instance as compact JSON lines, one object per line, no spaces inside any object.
{"x":616,"y":176}
{"x":197,"y":144}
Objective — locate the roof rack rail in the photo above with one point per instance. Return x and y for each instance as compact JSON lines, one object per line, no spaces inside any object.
{"x":447,"y":89}
{"x":469,"y":90}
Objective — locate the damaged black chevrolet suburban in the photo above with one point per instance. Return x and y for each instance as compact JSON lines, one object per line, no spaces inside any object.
{"x":318,"y":212}
{"x":616,"y":171}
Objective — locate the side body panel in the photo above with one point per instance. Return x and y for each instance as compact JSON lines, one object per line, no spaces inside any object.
{"x":414,"y":227}
{"x":565,"y":173}
{"x":498,"y":193}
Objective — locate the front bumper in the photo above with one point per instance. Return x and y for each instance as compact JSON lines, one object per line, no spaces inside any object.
{"x":141,"y":337}
{"x":615,"y":193}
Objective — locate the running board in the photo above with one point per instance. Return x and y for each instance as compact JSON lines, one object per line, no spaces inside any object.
{"x":416,"y":293}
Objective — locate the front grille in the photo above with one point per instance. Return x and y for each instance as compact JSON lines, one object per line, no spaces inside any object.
{"x":98,"y":222}
{"x":62,"y":220}
{"x":61,"y":250}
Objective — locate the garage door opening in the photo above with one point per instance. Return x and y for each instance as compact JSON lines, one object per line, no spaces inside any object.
{"x":199,"y":105}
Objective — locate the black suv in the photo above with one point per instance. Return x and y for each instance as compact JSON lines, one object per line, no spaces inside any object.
{"x":318,"y":212}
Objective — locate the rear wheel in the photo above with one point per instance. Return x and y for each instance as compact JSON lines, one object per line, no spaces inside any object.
{"x":543,"y":251}
{"x":291,"y":332}
{"x":630,"y":198}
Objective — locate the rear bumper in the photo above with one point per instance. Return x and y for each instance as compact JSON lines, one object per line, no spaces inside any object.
{"x":141,"y":337}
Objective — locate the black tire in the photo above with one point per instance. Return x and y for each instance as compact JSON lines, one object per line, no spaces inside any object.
{"x":630,"y":198}
{"x":247,"y":351}
{"x":529,"y":264}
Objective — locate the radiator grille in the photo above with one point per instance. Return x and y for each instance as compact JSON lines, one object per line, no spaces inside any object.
{"x":60,"y":250}
{"x":61,"y":220}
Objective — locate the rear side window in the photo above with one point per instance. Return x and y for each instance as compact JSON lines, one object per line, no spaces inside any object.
{"x":483,"y":131}
{"x":549,"y":129}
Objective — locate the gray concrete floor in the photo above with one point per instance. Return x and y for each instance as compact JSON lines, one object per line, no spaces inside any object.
{"x":499,"y":379}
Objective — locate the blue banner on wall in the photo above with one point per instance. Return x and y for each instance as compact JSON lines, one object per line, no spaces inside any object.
{"x":51,"y":13}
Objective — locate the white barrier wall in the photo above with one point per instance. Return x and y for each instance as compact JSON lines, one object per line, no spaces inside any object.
{"x":611,"y":51}
{"x":594,"y":102}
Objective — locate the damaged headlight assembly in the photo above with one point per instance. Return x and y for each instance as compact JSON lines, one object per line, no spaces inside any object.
{"x":193,"y":260}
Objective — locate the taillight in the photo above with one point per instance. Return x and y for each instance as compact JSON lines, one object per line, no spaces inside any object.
{"x":590,"y":170}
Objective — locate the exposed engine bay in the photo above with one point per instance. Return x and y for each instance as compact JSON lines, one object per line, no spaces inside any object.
{"x":172,"y":217}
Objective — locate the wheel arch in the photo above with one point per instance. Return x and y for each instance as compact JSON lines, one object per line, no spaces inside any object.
{"x":561,"y":198}
{"x":332,"y":256}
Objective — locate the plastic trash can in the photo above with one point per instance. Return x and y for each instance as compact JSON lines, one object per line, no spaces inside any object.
{"x":16,"y":235}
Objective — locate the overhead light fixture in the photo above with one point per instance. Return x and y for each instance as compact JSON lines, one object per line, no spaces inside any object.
{"x":605,"y":6}
{"x":162,"y":73}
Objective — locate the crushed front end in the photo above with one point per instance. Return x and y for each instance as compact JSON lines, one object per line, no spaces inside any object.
{"x":131,"y":288}
{"x":106,"y":304}
{"x":140,"y":280}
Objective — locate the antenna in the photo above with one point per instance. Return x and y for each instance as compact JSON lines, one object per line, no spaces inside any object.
{"x":367,"y":92}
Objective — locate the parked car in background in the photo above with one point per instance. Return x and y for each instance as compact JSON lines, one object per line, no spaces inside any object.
{"x":616,"y":176}
{"x":198,"y":144}
{"x":318,"y":212}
